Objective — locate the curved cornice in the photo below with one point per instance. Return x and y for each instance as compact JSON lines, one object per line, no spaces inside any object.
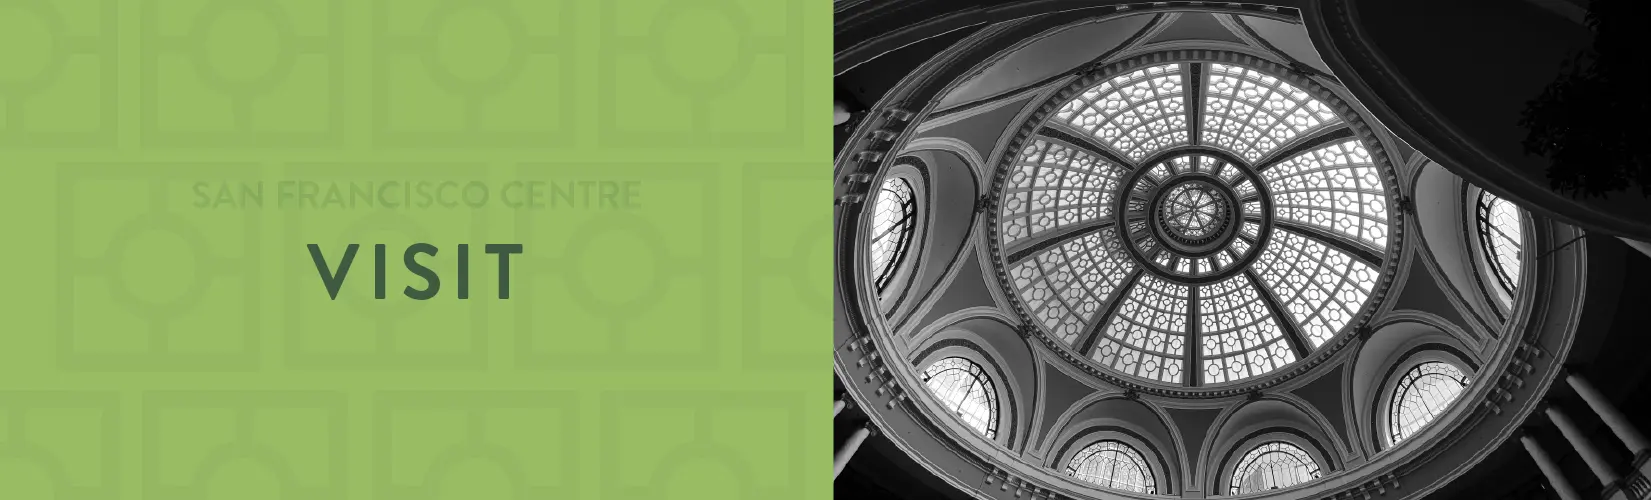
{"x":1464,"y":434}
{"x":871,"y":29}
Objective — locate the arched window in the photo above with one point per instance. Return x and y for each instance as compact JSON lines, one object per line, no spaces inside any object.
{"x":894,"y":219}
{"x":1499,"y":237}
{"x":1273,"y":465}
{"x":1422,"y":394}
{"x":964,"y":389}
{"x":1113,"y":464}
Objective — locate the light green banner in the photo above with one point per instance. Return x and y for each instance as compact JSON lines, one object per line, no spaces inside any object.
{"x":663,"y":165}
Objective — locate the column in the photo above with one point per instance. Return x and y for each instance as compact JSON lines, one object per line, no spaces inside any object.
{"x":1619,"y":424}
{"x":841,"y":404}
{"x":839,"y":113}
{"x":1590,"y":454}
{"x":1556,"y":479}
{"x":839,"y":462}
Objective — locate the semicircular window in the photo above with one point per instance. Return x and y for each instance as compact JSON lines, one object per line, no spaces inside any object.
{"x":1114,"y":465}
{"x":894,"y":219}
{"x":1195,"y":223}
{"x":1500,"y":237}
{"x":1422,"y":394}
{"x":964,"y":390}
{"x":1271,"y":466}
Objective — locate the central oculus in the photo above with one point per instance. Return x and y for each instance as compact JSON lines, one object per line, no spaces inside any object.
{"x":1194,"y":217}
{"x":1194,"y":211}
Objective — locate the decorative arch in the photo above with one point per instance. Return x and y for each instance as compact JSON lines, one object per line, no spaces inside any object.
{"x":893,"y":282}
{"x":1113,"y":464}
{"x":1271,"y":418}
{"x":1005,"y":359}
{"x":965,"y":390}
{"x":1446,"y":232}
{"x":944,"y":232}
{"x":1421,"y":395}
{"x":1232,"y":458}
{"x":962,"y":149}
{"x":1273,"y":464}
{"x":1499,"y":234}
{"x":1114,"y":416}
{"x":893,"y":224}
{"x":1393,"y":348}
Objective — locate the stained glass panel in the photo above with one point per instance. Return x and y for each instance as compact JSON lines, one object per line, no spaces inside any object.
{"x":1271,"y":466}
{"x":1136,"y":114}
{"x":1321,"y":287}
{"x":1114,"y":465}
{"x":1335,"y":187}
{"x":1145,"y":337}
{"x":1421,"y":395}
{"x":1063,"y":287}
{"x":894,"y":217}
{"x":1251,"y":114}
{"x":1239,"y":336}
{"x":1500,"y":237}
{"x":1053,"y":186}
{"x":964,"y":389}
{"x":1184,"y":240}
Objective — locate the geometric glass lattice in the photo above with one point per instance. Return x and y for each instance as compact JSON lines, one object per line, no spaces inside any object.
{"x":1142,"y":239}
{"x":1114,"y":465}
{"x":1146,"y":335}
{"x":1054,"y":186}
{"x":1136,"y":114}
{"x":1191,"y":211}
{"x":1321,"y":287}
{"x":893,"y":221}
{"x":1335,"y":187}
{"x":1500,"y":237}
{"x":1251,"y":113}
{"x":964,"y":390}
{"x":1422,"y":394}
{"x":1065,"y":286}
{"x":1241,"y":339}
{"x":1271,"y":466}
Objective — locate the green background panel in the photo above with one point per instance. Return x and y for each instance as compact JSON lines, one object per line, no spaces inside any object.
{"x":159,"y":344}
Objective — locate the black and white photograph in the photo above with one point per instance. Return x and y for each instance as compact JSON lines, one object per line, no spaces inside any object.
{"x":1302,"y":249}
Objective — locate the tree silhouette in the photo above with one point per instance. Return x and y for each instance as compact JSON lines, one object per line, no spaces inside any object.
{"x":1594,"y":122}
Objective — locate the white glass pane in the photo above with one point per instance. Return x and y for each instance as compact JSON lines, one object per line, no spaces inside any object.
{"x":1136,"y":114}
{"x":1251,"y":114}
{"x":1500,"y":236}
{"x":1114,"y":465}
{"x":1146,"y":335}
{"x":1240,"y":338}
{"x":964,"y":389}
{"x":1065,"y":286}
{"x":1321,"y":287}
{"x":1422,"y":394}
{"x":893,"y":220}
{"x":1053,"y":186}
{"x":1271,"y":466}
{"x":1335,"y":187}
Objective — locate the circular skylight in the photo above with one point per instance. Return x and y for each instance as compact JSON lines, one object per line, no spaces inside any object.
{"x":1194,"y":223}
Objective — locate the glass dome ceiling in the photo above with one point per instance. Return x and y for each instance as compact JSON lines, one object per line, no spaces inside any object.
{"x":1194,"y":224}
